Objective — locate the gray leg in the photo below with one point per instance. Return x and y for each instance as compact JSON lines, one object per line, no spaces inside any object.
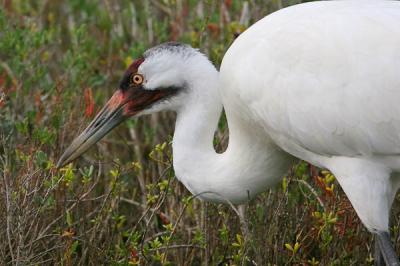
{"x":386,"y":250}
{"x":378,"y":258}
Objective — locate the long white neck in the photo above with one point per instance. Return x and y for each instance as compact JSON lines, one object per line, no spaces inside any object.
{"x":250,"y":164}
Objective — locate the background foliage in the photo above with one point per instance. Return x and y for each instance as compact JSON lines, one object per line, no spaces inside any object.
{"x":120,"y":204}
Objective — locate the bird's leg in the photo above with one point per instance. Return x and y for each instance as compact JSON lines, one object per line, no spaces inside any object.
{"x":378,"y":258}
{"x":385,"y":250}
{"x":371,"y":198}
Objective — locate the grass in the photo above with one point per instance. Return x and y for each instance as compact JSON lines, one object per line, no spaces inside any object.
{"x":120,"y":204}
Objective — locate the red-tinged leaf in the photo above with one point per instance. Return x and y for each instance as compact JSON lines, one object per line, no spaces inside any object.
{"x":313,"y":170}
{"x":2,"y":79}
{"x":39,"y":107}
{"x":38,"y":100}
{"x":89,"y":102}
{"x":134,"y":253}
{"x":319,"y":181}
{"x":68,"y":233}
{"x":163,"y":218}
{"x":213,"y":27}
{"x":228,"y":3}
{"x":175,"y":30}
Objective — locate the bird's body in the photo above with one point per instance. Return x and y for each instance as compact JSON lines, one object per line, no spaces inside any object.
{"x":318,"y":81}
{"x":322,"y":82}
{"x":334,"y":88}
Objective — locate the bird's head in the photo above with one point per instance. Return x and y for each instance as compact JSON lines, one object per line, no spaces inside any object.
{"x":159,"y":80}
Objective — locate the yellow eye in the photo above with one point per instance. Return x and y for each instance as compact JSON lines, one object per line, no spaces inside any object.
{"x":137,"y":79}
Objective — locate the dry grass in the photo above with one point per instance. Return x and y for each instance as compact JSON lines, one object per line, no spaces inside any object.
{"x":120,"y":203}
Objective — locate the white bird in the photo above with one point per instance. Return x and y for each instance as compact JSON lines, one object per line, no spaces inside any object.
{"x":318,"y":81}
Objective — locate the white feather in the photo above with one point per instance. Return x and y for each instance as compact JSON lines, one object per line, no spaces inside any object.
{"x":319,"y":81}
{"x":323,"y":81}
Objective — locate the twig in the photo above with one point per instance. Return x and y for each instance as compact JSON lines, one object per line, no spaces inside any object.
{"x":245,"y":15}
{"x":138,"y":204}
{"x":312,"y":190}
{"x":162,"y":7}
{"x":176,"y":246}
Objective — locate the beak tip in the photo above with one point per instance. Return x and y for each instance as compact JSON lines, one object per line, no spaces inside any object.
{"x":64,"y":159}
{"x":61,"y":162}
{"x":109,"y":117}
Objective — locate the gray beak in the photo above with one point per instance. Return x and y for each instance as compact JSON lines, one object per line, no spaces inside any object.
{"x":108,"y":118}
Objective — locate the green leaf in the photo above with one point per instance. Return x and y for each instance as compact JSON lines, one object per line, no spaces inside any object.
{"x":69,"y":219}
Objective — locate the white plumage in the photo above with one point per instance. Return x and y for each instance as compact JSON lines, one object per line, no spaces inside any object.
{"x":322,"y":80}
{"x":318,"y":81}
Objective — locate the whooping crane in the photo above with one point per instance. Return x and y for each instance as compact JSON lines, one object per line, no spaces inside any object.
{"x":318,"y":81}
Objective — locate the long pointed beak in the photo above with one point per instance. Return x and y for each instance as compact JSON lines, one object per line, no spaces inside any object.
{"x":111,"y":115}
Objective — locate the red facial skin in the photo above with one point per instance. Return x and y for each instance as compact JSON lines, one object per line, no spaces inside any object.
{"x":133,"y":68}
{"x":133,"y":96}
{"x":116,"y":100}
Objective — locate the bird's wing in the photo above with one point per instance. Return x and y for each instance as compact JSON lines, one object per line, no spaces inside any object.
{"x":328,"y":79}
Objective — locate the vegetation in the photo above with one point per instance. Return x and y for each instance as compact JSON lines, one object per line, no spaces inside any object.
{"x":120,"y":203}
